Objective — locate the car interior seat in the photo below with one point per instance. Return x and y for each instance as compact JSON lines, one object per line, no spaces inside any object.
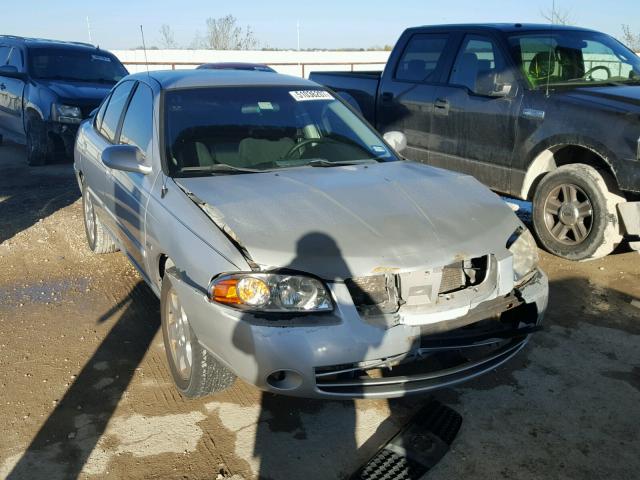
{"x":542,"y":66}
{"x":255,"y":151}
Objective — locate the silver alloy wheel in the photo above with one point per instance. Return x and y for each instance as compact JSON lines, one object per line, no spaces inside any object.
{"x":568,"y":214}
{"x":89,"y":218}
{"x":179,"y":336}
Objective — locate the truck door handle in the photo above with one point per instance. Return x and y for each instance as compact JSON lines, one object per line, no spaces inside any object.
{"x":387,"y":96}
{"x":3,"y":86}
{"x":441,"y":106}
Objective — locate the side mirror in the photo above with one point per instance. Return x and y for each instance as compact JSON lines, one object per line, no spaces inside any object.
{"x":127,"y":158}
{"x":397,"y":140}
{"x":11,"y":72}
{"x":502,"y":90}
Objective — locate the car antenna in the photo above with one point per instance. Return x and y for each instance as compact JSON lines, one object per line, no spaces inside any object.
{"x":553,"y":13}
{"x":144,"y":48}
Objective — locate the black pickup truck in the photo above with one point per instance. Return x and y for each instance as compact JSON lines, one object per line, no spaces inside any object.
{"x":543,"y":113}
{"x":47,"y":87}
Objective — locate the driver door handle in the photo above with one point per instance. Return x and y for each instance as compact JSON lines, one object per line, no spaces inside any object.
{"x":3,"y":86}
{"x":441,"y":106}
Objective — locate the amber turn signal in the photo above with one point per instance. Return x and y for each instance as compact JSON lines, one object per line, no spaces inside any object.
{"x":226,"y":291}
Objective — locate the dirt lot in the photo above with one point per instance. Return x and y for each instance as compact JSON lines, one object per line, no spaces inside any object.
{"x":85,"y":390}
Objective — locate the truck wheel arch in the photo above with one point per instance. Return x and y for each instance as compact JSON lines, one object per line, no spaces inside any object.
{"x":558,"y":155}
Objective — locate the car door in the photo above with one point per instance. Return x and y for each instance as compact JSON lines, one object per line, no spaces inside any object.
{"x":94,"y":140}
{"x":127,"y":193}
{"x":6,"y":120}
{"x":14,"y":90}
{"x":406,"y":99}
{"x":475,"y":114}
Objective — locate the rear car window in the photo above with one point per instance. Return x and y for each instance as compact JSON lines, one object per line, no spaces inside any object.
{"x":114,"y":109}
{"x":421,"y":58}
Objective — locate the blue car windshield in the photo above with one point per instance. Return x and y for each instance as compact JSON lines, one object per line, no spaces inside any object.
{"x":247,"y":129}
{"x":80,"y":65}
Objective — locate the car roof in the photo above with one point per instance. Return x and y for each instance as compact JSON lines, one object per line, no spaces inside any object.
{"x":45,"y":42}
{"x":173,"y":79}
{"x":503,"y":27}
{"x":237,"y":66}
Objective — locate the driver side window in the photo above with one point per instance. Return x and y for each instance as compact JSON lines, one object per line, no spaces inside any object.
{"x":479,"y":66}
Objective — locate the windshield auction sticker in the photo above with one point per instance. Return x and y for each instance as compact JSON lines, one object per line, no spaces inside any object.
{"x":308,"y":95}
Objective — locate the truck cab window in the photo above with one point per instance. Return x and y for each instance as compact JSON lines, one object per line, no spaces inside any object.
{"x":479,"y":66}
{"x":15,"y":59}
{"x":421,"y":58}
{"x":4,"y":53}
{"x":574,"y":58}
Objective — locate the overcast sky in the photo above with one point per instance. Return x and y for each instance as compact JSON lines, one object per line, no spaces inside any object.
{"x":323,"y":24}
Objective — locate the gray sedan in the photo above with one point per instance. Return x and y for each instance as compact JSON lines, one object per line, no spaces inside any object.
{"x":292,"y":246}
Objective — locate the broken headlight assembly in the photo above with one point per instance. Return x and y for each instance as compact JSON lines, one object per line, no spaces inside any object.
{"x":523,"y":247}
{"x":66,"y":113}
{"x":271,"y":292}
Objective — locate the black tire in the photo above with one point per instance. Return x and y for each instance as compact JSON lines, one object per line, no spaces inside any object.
{"x":98,"y":238}
{"x":575,"y":214}
{"x":206,"y":375}
{"x":40,"y":148}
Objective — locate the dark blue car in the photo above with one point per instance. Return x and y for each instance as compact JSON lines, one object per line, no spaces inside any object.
{"x":47,"y":87}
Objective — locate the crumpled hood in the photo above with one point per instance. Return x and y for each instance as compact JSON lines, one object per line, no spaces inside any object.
{"x":79,"y":93}
{"x":349,"y":221}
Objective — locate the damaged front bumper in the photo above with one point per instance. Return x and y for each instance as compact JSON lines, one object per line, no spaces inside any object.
{"x":342,"y":355}
{"x":64,"y":136}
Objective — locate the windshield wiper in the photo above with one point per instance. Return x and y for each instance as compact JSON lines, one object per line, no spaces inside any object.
{"x":218,"y":168}
{"x":321,"y":162}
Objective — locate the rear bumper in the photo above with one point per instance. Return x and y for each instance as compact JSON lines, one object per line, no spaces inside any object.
{"x":343,"y":356}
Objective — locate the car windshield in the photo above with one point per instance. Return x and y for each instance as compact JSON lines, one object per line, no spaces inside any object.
{"x":75,"y":65}
{"x":571,"y":58}
{"x":222,"y":130}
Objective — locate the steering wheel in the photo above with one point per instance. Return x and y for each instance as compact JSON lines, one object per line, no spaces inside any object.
{"x":597,"y":67}
{"x":304,"y":143}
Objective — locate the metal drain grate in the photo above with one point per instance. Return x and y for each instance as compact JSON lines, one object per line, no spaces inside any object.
{"x":415,"y":449}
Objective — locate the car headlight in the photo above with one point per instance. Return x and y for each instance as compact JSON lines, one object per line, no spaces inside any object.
{"x":66,"y":113}
{"x":523,"y":247}
{"x":270,"y":292}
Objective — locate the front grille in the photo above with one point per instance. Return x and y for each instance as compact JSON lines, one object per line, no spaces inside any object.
{"x":453,"y":278}
{"x":384,"y":294}
{"x":374,"y":295}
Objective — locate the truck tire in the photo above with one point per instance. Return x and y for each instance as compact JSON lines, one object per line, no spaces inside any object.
{"x":98,"y":238}
{"x":195,"y":371}
{"x":574,"y":212}
{"x":39,"y":146}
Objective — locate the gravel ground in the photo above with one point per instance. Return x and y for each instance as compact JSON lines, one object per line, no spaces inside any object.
{"x":85,"y":391}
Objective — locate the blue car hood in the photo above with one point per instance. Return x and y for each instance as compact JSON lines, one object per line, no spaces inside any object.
{"x":81,"y":93}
